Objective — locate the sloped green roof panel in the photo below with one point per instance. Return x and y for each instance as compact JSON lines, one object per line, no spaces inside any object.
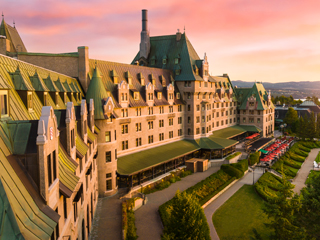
{"x":50,"y":84}
{"x":91,"y":135}
{"x":97,"y":92}
{"x":20,"y":82}
{"x":32,"y":222}
{"x":37,"y":83}
{"x":66,"y":86}
{"x":250,"y":128}
{"x":60,"y":86}
{"x":228,"y":132}
{"x":81,"y":146}
{"x":135,"y":162}
{"x":215,"y":143}
{"x":9,"y":227}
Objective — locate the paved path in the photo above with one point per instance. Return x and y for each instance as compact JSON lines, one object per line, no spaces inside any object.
{"x":304,"y":171}
{"x":107,"y":219}
{"x":212,"y":207}
{"x":147,"y":218}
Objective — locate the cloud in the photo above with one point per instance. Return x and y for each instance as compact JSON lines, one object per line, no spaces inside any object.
{"x":248,"y":38}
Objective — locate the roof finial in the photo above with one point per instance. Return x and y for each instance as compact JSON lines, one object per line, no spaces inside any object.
{"x":2,"y":15}
{"x":184,"y":29}
{"x":178,"y":30}
{"x":14,"y":24}
{"x":95,"y":62}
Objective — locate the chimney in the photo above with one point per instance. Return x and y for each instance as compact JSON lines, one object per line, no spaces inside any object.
{"x":178,"y":36}
{"x":145,"y":40}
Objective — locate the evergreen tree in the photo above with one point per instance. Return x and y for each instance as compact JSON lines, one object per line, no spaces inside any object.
{"x":283,"y":211}
{"x":318,"y":126}
{"x":311,"y":126}
{"x":309,"y":217}
{"x":186,"y":219}
{"x":291,"y":117}
{"x":302,"y":128}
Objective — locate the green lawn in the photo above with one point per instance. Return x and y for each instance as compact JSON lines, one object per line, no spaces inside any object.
{"x":236,"y":218}
{"x":318,"y":158}
{"x":311,"y":174}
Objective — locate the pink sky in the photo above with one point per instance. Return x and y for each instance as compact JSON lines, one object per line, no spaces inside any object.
{"x":263,"y":40}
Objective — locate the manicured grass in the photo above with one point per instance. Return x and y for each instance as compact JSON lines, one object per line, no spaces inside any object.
{"x":236,"y":218}
{"x":312,"y":174}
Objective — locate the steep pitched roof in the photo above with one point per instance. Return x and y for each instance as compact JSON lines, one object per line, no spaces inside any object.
{"x":97,"y":92}
{"x":169,"y":47}
{"x":258,"y":91}
{"x":12,"y":34}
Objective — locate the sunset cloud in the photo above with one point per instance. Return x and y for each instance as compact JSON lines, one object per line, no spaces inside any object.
{"x":274,"y":40}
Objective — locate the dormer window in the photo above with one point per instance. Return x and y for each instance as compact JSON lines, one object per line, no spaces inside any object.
{"x":153,"y":82}
{"x":206,"y":72}
{"x":170,"y":96}
{"x":136,"y":96}
{"x":153,"y":60}
{"x":130,"y":81}
{"x":164,"y":60}
{"x":4,"y":103}
{"x":114,"y":76}
{"x":159,"y":95}
{"x":30,"y":101}
{"x":150,"y":96}
{"x":142,"y":82}
{"x":129,"y":77}
{"x":124,"y":97}
{"x":177,"y":59}
{"x":177,"y":71}
{"x":163,"y":81}
{"x":196,"y":69}
{"x":178,"y":95}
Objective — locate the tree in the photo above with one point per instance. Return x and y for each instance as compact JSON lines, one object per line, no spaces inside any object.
{"x":291,"y":116}
{"x":186,"y":219}
{"x":302,"y":124}
{"x":311,"y":127}
{"x":283,"y":211}
{"x":318,"y":126}
{"x":309,"y":216}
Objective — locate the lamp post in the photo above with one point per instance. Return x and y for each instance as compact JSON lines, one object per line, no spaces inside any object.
{"x":253,"y":176}
{"x":281,"y":127}
{"x":284,"y":126}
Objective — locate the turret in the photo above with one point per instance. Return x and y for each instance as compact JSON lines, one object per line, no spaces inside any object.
{"x":145,"y":40}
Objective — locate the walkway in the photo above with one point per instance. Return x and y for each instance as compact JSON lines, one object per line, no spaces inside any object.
{"x":300,"y":179}
{"x":147,"y":218}
{"x":107,"y":219}
{"x":212,"y":207}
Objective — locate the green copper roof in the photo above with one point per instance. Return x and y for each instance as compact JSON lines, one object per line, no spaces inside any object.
{"x":135,"y":162}
{"x":67,"y":171}
{"x":97,"y":92}
{"x":215,"y":143}
{"x":32,"y":222}
{"x":50,"y":84}
{"x":9,"y":227}
{"x":60,"y":86}
{"x":258,"y":91}
{"x":37,"y":83}
{"x":91,"y":135}
{"x":168,"y":46}
{"x":19,"y":81}
{"x":81,"y":146}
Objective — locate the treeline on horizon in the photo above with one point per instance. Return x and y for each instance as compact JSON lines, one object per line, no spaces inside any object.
{"x":291,"y":101}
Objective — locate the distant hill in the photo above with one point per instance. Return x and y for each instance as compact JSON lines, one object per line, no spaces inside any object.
{"x":282,"y":85}
{"x":298,"y":90}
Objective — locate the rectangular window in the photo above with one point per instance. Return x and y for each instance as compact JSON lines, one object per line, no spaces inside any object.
{"x":198,"y":107}
{"x":138,"y":127}
{"x":258,"y":120}
{"x":108,"y":136}
{"x":179,"y":132}
{"x":198,"y":119}
{"x":150,"y":139}
{"x":171,"y":134}
{"x":124,"y":128}
{"x":203,"y":130}
{"x":49,"y":167}
{"x":138,"y":142}
{"x":221,"y":122}
{"x":189,"y":119}
{"x":198,"y":131}
{"x":65,"y":209}
{"x":170,"y":109}
{"x":161,"y":110}
{"x":189,"y":131}
{"x":161,"y":123}
{"x":115,"y":134}
{"x":179,"y":120}
{"x":244,"y":120}
{"x":108,"y":156}
{"x":203,"y":119}
{"x":161,"y":136}
{"x":180,"y":108}
{"x":54,"y":165}
{"x":30,"y":101}
{"x":150,"y":110}
{"x":251,"y":120}
{"x":4,"y":103}
{"x":124,"y":145}
{"x":138,"y":111}
{"x":109,"y":185}
{"x":189,"y":108}
{"x":170,"y":121}
{"x":150,"y":125}
{"x":217,"y":124}
{"x":217,"y":114}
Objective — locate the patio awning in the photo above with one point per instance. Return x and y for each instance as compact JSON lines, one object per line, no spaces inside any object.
{"x":263,"y":151}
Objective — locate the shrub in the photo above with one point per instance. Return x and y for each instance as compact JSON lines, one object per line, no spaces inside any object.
{"x":254,"y":158}
{"x":232,"y":171}
{"x":132,"y":230}
{"x":185,"y":173}
{"x":128,"y":220}
{"x":303,"y":148}
{"x":301,"y":153}
{"x":174,"y":179}
{"x":233,"y":155}
{"x":241,"y":165}
{"x":163,"y":185}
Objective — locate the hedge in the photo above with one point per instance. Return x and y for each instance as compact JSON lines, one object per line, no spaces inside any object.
{"x":128,"y":220}
{"x":254,"y":158}
{"x":232,"y":171}
{"x":287,"y":171}
{"x":233,"y":155}
{"x":268,"y":185}
{"x":202,"y":191}
{"x":241,"y":165}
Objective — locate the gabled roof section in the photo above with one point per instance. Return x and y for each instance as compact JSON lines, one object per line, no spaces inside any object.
{"x":12,"y":34}
{"x":136,"y":72}
{"x":50,"y":84}
{"x":20,"y":82}
{"x":97,"y":92}
{"x":60,"y":86}
{"x":168,"y":46}
{"x":258,"y":91}
{"x":37,"y":83}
